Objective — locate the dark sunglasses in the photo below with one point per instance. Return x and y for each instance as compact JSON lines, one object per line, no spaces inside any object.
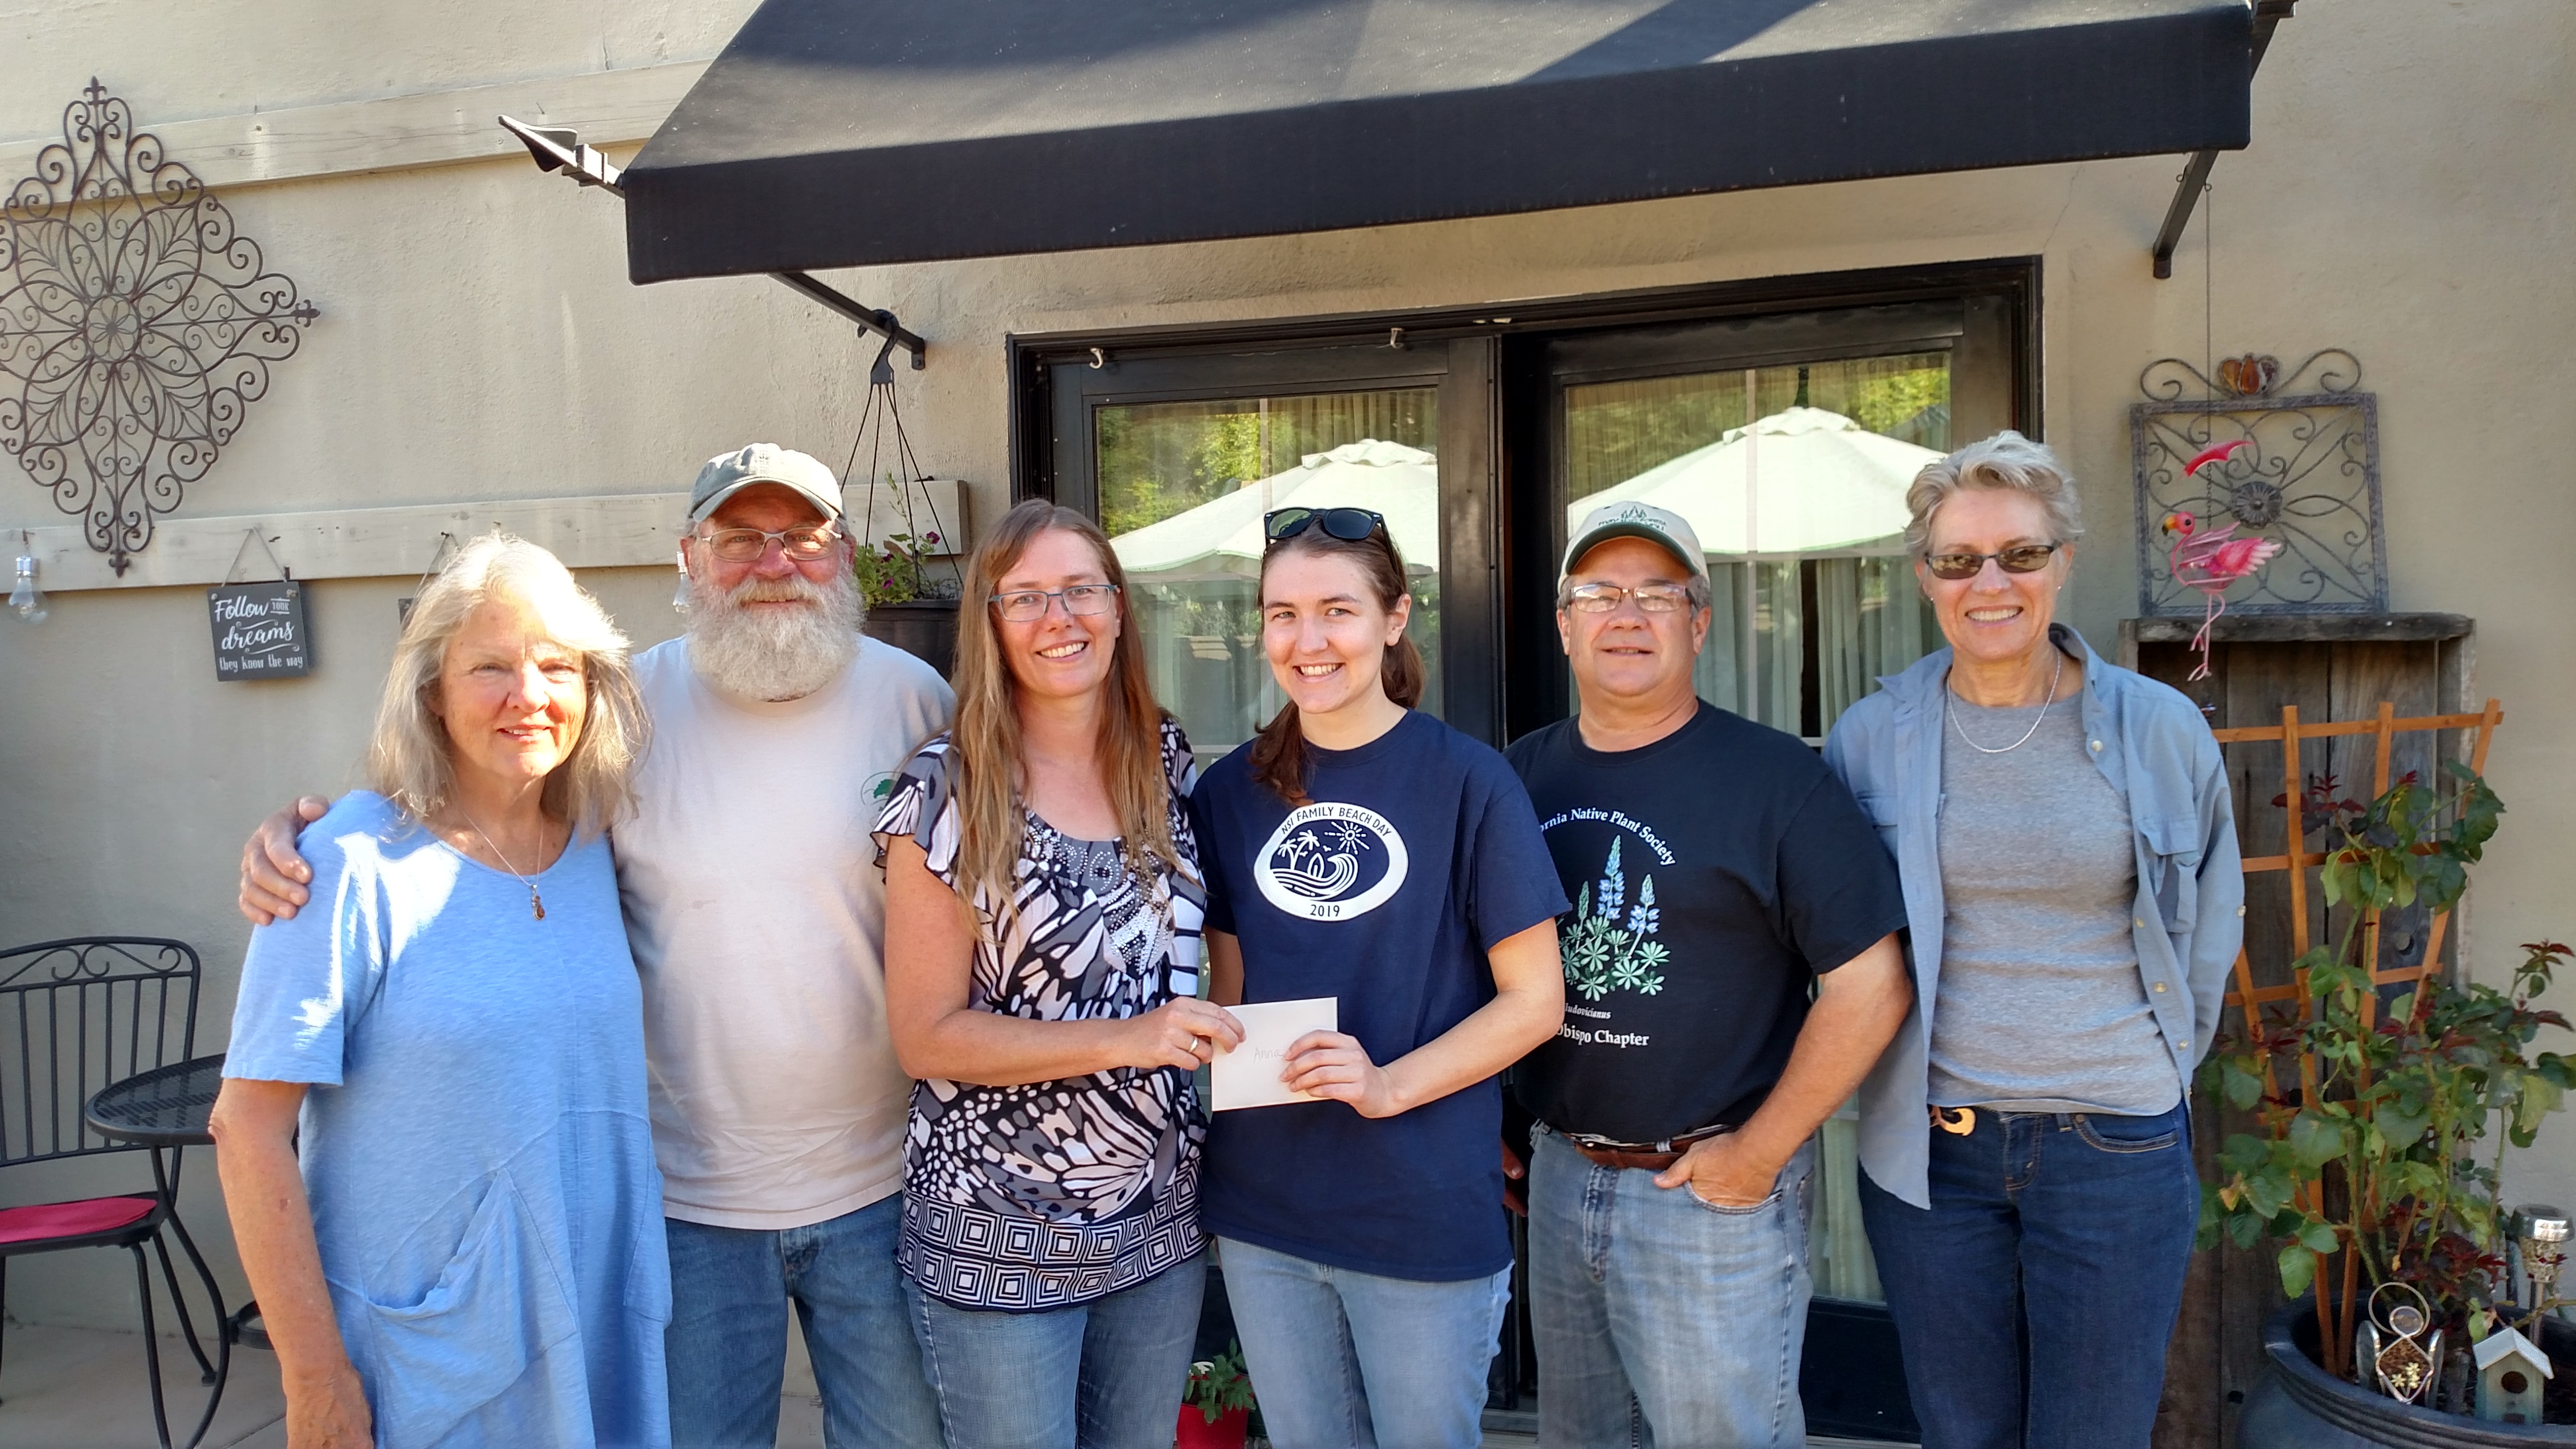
{"x":2028,"y":558}
{"x":1350,"y":525}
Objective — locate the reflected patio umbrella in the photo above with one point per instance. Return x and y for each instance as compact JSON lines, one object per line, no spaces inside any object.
{"x":1221,"y":538}
{"x":1799,"y":481}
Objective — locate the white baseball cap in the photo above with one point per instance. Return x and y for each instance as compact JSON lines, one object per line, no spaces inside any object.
{"x":728,"y":474}
{"x":1659,"y":526}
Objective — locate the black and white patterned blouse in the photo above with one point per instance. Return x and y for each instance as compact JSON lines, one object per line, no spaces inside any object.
{"x":1054,"y":1193}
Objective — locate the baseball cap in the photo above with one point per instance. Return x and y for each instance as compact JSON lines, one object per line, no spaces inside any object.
{"x":1659,"y":526}
{"x":730,"y":473}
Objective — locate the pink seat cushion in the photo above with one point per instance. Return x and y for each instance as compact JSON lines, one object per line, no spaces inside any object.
{"x":72,"y":1219}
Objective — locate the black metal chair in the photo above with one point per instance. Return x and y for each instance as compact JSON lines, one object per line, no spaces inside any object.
{"x":77,"y":1016}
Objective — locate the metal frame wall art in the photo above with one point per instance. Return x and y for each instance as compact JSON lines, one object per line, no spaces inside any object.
{"x":137,"y":325}
{"x":2310,"y":480}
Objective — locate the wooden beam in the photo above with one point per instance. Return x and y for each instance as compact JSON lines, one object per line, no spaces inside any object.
{"x":621,"y":530}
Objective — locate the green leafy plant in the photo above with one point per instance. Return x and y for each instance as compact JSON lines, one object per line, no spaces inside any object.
{"x":2372,"y":1145}
{"x":890,"y":571}
{"x":1219,"y":1386}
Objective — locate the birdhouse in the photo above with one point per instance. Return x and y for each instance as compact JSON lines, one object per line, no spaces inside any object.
{"x":2511,"y":1369}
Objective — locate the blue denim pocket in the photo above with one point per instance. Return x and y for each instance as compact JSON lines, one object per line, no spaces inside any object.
{"x":2109,"y":1132}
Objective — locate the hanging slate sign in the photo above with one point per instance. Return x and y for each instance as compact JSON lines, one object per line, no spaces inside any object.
{"x":260,"y":631}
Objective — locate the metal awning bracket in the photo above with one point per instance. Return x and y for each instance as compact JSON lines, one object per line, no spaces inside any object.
{"x":558,"y":148}
{"x":2195,"y":172}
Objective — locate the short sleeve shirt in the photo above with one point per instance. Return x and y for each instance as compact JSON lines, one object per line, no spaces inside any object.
{"x":1049,"y":1194}
{"x":1715,"y":874}
{"x":1418,"y":853}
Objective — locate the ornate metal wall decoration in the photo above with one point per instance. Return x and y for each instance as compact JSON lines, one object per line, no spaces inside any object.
{"x":137,"y":325}
{"x":2310,"y":481}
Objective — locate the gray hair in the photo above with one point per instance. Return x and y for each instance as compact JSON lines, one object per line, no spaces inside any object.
{"x":2006,"y":460}
{"x":407,"y":758}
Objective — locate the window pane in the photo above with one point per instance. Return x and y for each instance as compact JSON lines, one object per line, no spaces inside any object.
{"x":1794,"y":477}
{"x":1183,"y":487}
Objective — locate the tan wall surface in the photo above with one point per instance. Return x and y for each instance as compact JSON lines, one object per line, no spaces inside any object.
{"x":2410,"y":195}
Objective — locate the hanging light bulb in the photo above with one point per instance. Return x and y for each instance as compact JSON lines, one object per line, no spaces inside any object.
{"x":26,"y":598}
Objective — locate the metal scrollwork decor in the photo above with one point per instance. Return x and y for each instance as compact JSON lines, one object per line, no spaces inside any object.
{"x":2309,"y":482}
{"x":137,"y":324}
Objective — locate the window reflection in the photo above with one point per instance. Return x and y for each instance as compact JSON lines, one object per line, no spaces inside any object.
{"x":1183,"y":487}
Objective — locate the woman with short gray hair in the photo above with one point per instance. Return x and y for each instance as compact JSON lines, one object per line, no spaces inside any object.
{"x":2069,"y":855}
{"x":469,"y":1250}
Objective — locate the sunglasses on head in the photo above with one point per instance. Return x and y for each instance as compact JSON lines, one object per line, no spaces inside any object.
{"x":1350,"y":525}
{"x":2027,"y":558}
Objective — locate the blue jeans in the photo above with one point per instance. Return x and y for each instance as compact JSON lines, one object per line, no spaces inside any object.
{"x":727,"y":1344}
{"x":1659,"y":1318}
{"x":1107,"y":1374}
{"x":2035,"y":1297}
{"x":1349,"y":1360}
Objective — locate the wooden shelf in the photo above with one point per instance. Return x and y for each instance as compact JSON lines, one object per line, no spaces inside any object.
{"x":2302,"y":628}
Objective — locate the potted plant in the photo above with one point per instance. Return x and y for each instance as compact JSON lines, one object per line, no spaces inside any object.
{"x":1216,"y":1404}
{"x":908,"y":606}
{"x":2377,"y":1165}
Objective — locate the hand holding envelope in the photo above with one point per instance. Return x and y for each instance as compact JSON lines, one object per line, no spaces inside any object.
{"x":1251,"y":1075}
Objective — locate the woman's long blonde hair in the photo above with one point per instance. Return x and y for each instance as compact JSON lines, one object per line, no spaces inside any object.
{"x":984,"y":758}
{"x":407,"y":758}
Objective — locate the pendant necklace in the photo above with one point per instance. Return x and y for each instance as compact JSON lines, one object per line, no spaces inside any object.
{"x":536,"y":903}
{"x":1950,"y":706}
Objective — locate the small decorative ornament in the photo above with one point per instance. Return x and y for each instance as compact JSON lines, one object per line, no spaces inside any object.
{"x":137,"y":325}
{"x":2511,"y":1370}
{"x":2397,"y":1345}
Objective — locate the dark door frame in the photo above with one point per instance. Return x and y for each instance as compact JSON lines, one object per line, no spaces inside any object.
{"x":1501,"y":528}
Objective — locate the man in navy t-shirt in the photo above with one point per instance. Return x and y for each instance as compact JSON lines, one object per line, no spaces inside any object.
{"x":1721,"y":876}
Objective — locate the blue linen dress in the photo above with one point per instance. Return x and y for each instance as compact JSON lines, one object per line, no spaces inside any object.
{"x":476,"y":1147}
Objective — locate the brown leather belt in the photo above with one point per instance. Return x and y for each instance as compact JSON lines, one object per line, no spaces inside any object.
{"x":1647,"y":1159}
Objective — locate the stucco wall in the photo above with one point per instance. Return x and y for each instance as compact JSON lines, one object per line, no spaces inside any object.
{"x":2408,"y":196}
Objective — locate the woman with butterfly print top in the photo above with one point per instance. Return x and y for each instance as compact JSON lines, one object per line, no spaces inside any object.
{"x":1363,"y":851}
{"x":1042,"y":919}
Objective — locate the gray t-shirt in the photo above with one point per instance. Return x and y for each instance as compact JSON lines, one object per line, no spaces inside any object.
{"x":2040,"y":1006}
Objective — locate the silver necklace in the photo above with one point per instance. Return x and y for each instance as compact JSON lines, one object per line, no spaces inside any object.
{"x":536,"y":903}
{"x":1950,"y":706}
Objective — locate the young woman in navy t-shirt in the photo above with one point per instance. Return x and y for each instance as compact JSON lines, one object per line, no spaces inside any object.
{"x":1360,"y":850}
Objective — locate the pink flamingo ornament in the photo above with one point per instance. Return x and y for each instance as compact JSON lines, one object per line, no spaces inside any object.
{"x":2213,"y":560}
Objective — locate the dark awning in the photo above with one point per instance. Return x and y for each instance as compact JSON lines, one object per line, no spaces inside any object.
{"x":835,"y":133}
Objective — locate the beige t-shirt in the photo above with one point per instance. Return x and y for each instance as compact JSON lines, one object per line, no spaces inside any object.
{"x":755,"y":909}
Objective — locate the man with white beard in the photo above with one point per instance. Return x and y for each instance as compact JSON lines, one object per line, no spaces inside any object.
{"x":756,"y":912}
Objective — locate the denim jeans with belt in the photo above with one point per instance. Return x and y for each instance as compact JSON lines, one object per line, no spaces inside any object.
{"x":1348,"y":1360}
{"x":2035,"y":1297}
{"x":727,"y":1343}
{"x":1661,"y":1319}
{"x":1107,"y":1374}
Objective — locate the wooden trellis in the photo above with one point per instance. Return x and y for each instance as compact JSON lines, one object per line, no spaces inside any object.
{"x":2297,"y":861}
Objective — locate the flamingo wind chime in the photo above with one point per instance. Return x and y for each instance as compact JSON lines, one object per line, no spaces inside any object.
{"x":2213,"y":560}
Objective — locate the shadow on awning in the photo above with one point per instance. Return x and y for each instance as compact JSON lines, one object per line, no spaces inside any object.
{"x":836,"y":133}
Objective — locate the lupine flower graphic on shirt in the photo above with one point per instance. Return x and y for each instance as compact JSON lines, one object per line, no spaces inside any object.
{"x":1604,"y":954}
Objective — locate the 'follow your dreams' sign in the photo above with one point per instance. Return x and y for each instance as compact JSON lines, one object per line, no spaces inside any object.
{"x":260,"y":631}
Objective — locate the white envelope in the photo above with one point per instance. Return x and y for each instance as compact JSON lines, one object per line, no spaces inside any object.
{"x":1248,"y":1076}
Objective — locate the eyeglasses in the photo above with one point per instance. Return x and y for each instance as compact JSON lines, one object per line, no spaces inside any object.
{"x":1350,"y":525}
{"x":1028,"y":604}
{"x":745,"y":545}
{"x":2027,"y":558}
{"x":1651,"y":598}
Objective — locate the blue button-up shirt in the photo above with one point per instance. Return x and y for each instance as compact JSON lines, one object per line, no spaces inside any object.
{"x":2153,"y":746}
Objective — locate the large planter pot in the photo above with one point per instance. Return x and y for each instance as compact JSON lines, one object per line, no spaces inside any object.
{"x":924,"y":628}
{"x":2297,"y":1405}
{"x":1226,"y":1431}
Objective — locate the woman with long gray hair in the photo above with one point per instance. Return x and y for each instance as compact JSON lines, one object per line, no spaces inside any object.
{"x":468,"y":1249}
{"x":2068,"y":850}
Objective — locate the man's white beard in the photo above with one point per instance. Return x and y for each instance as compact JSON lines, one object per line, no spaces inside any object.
{"x":774,"y":653}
